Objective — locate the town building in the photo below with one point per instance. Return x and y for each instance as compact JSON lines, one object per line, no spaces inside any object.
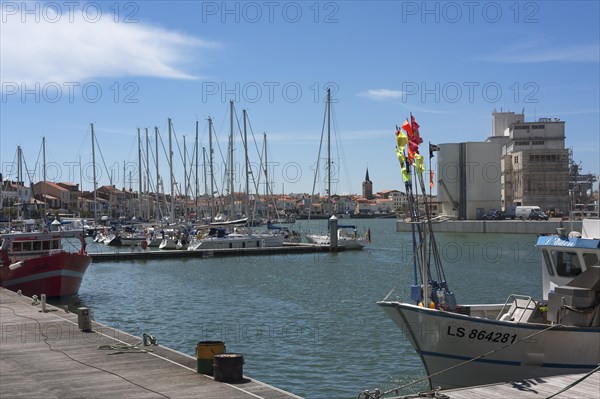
{"x":534,"y":162}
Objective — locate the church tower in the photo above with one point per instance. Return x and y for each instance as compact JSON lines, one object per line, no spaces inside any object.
{"x":367,"y":187}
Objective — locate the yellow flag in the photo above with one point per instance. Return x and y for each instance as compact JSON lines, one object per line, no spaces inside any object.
{"x":419,"y":164}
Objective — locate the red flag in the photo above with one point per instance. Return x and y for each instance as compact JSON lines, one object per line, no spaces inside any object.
{"x":415,"y":131}
{"x":407,"y":128}
{"x":414,"y":124}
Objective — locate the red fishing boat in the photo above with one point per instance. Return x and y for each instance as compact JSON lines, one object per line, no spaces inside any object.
{"x":36,"y":263}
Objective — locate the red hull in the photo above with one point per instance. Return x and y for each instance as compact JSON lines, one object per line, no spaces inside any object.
{"x":55,"y":275}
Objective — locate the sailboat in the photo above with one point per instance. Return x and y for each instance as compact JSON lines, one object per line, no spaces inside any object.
{"x":523,"y":337}
{"x":345,"y":239}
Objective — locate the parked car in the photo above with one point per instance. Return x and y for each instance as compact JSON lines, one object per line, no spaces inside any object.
{"x":493,"y":215}
{"x":537,"y":215}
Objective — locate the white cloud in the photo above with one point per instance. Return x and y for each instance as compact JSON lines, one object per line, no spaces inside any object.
{"x":71,"y":49}
{"x":381,"y":94}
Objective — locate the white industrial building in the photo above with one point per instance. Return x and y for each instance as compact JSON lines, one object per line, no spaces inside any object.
{"x":469,"y":177}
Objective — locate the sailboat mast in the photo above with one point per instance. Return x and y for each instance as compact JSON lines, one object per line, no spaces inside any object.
{"x":266,"y":176}
{"x":147,"y":190}
{"x":212,"y":175}
{"x":171,"y":173}
{"x":247,"y":196}
{"x":156,"y":162}
{"x":231,"y":174}
{"x":329,"y":150}
{"x":44,"y":158}
{"x":205,"y":202}
{"x":140,"y":170}
{"x":185,"y":177}
{"x":44,"y":171}
{"x":94,"y":175}
{"x":196,"y":154}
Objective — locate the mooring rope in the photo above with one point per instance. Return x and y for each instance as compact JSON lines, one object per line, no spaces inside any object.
{"x":397,"y":390}
{"x":574,"y":383}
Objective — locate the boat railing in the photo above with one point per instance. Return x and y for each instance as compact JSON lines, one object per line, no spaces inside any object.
{"x":520,"y":307}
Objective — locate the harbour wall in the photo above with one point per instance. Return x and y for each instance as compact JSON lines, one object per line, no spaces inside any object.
{"x":498,"y":226}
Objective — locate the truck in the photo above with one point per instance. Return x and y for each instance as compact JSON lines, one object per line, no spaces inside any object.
{"x":525,"y":212}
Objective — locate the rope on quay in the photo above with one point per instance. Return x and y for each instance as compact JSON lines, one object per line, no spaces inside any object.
{"x":377,"y":394}
{"x":147,"y":340}
{"x":574,"y":383}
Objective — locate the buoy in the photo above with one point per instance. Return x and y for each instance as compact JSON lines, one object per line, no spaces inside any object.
{"x":431,"y":305}
{"x":144,"y":244}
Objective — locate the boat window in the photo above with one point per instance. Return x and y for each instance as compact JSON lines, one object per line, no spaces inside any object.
{"x":548,"y":262}
{"x":26,"y":246}
{"x":55,"y":244}
{"x":37,"y":245}
{"x":45,"y":245}
{"x":590,"y":260}
{"x":17,"y":247}
{"x":567,"y":264}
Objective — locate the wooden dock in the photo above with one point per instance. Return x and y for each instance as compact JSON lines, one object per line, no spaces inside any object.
{"x":533,"y":388}
{"x":139,"y":254}
{"x":45,"y":355}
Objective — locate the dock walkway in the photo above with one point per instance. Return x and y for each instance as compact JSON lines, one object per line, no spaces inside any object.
{"x":288,"y":249}
{"x":533,"y":388}
{"x":45,"y":355}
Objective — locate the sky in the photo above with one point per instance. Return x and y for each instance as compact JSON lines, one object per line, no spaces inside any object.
{"x":127,"y":65}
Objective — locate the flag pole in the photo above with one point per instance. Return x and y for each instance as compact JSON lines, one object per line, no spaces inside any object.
{"x":430,"y":171}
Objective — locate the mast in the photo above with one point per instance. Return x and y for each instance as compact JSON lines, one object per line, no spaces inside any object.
{"x":19,"y":165}
{"x":44,"y":172}
{"x":231,"y":175}
{"x":147,"y":176}
{"x":185,"y":177}
{"x":329,"y":207}
{"x":205,"y":180}
{"x":94,"y":175}
{"x":247,"y":196}
{"x":196,"y":153}
{"x":171,"y":173}
{"x":266,"y":176}
{"x":140,"y":170}
{"x":156,"y":162}
{"x":212,"y":175}
{"x":44,"y":158}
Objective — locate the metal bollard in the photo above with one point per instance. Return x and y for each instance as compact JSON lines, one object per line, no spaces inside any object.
{"x":84,"y":320}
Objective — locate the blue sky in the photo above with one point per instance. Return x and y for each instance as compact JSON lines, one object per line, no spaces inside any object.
{"x":134,"y":64}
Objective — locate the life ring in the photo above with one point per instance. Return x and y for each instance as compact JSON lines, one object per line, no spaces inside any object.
{"x":144,"y":244}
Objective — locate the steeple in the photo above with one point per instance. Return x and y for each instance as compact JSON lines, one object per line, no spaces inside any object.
{"x":367,"y":187}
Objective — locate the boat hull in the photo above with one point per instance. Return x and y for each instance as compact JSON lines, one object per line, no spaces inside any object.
{"x":444,"y":340}
{"x":56,"y":275}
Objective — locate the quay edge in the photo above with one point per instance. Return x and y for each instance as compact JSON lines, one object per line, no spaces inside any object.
{"x":498,"y":226}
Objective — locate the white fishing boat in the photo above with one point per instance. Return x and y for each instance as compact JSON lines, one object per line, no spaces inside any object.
{"x":524,"y":337}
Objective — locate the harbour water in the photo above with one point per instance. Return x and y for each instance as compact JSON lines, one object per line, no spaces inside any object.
{"x":306,"y":323}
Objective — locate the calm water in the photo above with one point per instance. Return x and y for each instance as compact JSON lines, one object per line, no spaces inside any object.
{"x":305,"y":323}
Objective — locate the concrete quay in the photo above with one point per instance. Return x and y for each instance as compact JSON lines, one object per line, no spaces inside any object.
{"x":498,"y":226}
